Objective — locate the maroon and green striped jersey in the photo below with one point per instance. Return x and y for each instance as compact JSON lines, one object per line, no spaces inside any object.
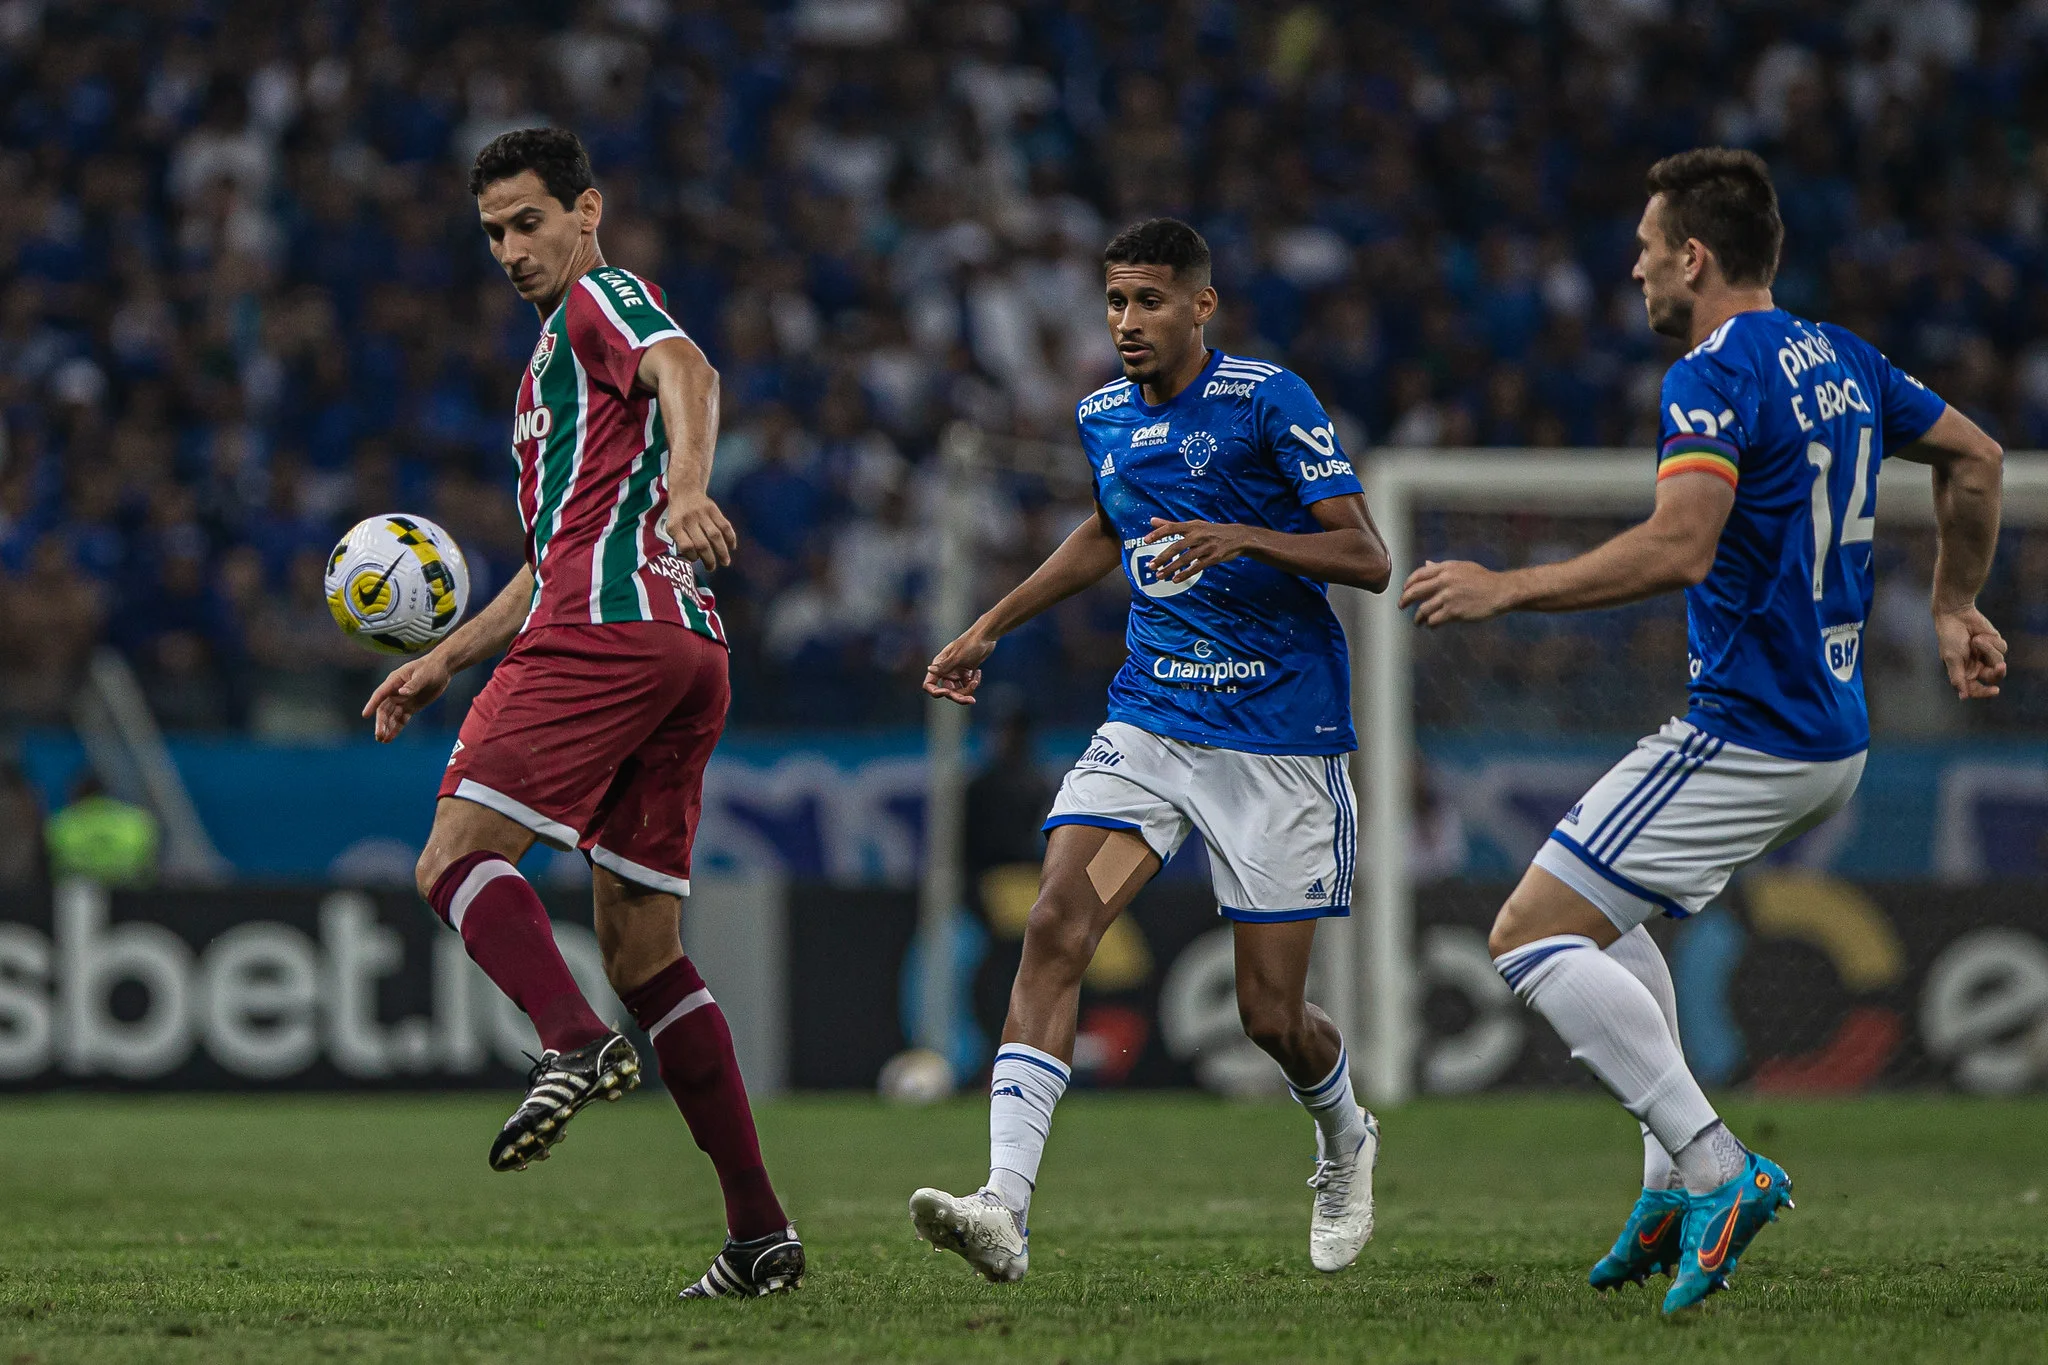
{"x":593,"y":465}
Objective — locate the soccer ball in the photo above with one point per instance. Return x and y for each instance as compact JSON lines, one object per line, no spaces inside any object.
{"x":915,"y":1076}
{"x":397,"y":583}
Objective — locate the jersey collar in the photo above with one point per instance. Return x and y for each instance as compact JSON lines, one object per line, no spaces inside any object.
{"x":1138,"y":390}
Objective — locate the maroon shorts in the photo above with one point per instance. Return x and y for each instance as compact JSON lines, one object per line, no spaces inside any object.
{"x":596,"y":737}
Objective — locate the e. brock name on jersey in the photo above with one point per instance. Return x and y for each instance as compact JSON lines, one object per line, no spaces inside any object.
{"x":1240,"y":655}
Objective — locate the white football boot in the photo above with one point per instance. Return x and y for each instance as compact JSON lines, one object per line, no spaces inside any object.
{"x":1341,"y":1224}
{"x":980,"y":1227}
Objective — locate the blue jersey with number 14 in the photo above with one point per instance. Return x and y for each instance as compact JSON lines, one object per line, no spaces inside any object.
{"x":1796,"y":416}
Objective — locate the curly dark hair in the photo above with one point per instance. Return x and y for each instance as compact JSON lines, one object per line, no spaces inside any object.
{"x":1161,"y":241}
{"x":1724,"y":197}
{"x":556,"y":155}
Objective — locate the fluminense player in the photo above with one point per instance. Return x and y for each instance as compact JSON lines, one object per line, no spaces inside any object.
{"x":1773,"y":431}
{"x":1223,"y":496}
{"x":594,"y":730}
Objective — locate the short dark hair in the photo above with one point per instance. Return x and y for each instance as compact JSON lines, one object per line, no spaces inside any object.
{"x":556,"y":155}
{"x":1724,"y":197}
{"x":1161,"y":241}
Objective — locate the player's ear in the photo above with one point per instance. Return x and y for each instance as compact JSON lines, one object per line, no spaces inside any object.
{"x":590,"y":208}
{"x":1205,"y":305}
{"x":1697,"y":255}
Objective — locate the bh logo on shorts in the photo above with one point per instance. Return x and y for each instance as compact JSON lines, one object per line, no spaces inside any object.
{"x":1151,"y":584}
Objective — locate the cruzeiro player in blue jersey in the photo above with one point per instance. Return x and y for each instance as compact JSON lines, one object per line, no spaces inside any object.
{"x":1223,"y":496}
{"x":1773,"y":430}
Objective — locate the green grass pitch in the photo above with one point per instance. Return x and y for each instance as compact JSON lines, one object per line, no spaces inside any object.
{"x":1167,"y":1229}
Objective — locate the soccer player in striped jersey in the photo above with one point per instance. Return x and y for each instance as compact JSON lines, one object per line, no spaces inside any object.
{"x":1773,"y":431}
{"x":594,"y":730}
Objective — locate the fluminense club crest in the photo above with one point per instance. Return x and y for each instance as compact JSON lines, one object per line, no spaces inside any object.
{"x":543,"y":351}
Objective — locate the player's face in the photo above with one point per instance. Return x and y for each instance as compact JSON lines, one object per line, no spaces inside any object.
{"x":1155,"y":319}
{"x":1664,"y":271}
{"x":537,"y":242}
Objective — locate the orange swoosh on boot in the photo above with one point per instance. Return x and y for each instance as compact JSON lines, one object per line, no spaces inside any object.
{"x":1711,"y":1257}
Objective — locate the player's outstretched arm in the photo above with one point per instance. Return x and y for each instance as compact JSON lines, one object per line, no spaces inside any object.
{"x":1969,"y":482}
{"x":1673,"y":549}
{"x":1347,"y":550}
{"x":410,"y":687}
{"x":686,"y":392}
{"x":1091,"y":551}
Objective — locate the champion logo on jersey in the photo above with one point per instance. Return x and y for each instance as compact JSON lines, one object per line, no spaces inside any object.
{"x":1158,"y":434}
{"x":1108,"y":464}
{"x":1316,"y":892}
{"x":543,"y":351}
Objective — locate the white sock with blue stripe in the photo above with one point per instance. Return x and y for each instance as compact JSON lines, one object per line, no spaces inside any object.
{"x":1615,"y":1029}
{"x":1023,"y":1087}
{"x":1339,"y":1125}
{"x":1638,"y":952}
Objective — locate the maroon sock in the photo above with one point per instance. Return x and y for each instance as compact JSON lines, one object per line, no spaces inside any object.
{"x":693,"y":1047}
{"x":506,"y":929}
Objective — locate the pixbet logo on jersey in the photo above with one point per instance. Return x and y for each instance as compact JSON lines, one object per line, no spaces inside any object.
{"x":1103,"y":402}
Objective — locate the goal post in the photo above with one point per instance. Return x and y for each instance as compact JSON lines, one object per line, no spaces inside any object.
{"x":1386,"y":1018}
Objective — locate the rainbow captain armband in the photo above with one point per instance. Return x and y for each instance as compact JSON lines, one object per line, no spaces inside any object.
{"x":1691,"y":453}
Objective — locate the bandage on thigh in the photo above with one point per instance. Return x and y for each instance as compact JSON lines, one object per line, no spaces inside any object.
{"x":1121,"y":854}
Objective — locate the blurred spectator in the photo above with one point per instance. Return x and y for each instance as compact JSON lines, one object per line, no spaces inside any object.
{"x":103,"y":839}
{"x":243,"y":298}
{"x":1007,"y":801}
{"x":24,"y":861}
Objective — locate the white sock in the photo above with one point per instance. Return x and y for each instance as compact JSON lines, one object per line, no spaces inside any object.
{"x":1331,"y":1104}
{"x":1710,"y":1160}
{"x":1658,"y":1172}
{"x":1637,"y":951}
{"x":1613,"y":1027}
{"x":1022,"y":1090}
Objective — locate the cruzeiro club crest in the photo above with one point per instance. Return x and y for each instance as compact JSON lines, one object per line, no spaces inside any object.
{"x":1198,"y":449}
{"x":543,"y":351}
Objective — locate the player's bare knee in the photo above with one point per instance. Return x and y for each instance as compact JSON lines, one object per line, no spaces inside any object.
{"x":1506,"y":934}
{"x":1060,"y":935}
{"x":433,"y":861}
{"x":1276,"y":1025}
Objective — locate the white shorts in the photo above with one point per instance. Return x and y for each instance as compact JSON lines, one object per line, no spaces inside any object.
{"x":1668,"y":825}
{"x":1282,"y":829}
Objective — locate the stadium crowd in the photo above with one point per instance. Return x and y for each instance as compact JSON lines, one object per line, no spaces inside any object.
{"x":243,"y":299}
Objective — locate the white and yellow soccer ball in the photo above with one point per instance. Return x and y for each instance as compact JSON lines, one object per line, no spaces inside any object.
{"x":397,"y":583}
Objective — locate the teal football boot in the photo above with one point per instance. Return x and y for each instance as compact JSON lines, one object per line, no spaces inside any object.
{"x":1720,"y":1225}
{"x":1648,"y":1244}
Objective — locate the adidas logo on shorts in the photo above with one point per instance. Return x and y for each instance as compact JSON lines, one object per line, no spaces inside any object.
{"x":1316,"y":891}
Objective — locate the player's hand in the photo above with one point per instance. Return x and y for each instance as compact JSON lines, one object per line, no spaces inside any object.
{"x":1972,"y":651}
{"x":405,"y":691}
{"x":955,"y":671}
{"x":1455,"y":590}
{"x":1202,"y":545}
{"x":699,"y":530}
